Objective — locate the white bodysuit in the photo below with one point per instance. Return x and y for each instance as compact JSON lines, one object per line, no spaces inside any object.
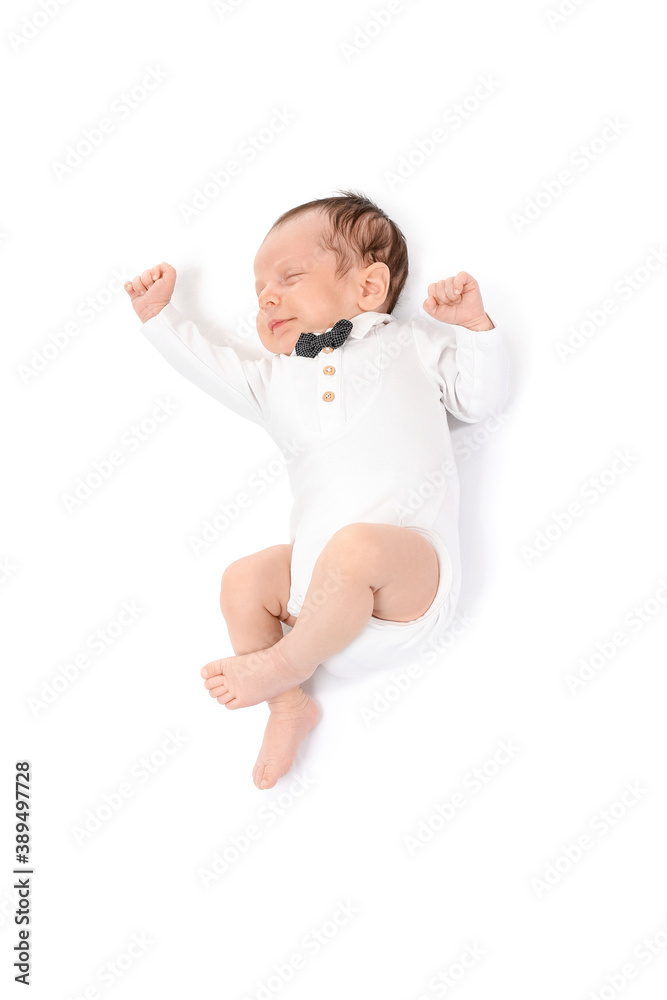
{"x":363,"y":429}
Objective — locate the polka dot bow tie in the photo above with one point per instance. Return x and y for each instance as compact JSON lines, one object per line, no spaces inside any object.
{"x":309,"y":345}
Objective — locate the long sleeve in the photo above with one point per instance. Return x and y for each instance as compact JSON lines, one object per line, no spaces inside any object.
{"x":241,"y":385}
{"x":471,"y":367}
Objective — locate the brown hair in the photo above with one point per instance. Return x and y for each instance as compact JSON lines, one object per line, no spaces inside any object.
{"x":356,"y":222}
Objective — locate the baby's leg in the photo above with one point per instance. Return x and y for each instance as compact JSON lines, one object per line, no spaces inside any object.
{"x":365,"y":570}
{"x":253,"y":597}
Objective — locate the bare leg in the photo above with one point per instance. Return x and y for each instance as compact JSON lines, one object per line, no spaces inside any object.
{"x":365,"y":569}
{"x":248,"y":586}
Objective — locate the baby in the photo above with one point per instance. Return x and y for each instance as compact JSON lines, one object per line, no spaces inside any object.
{"x":356,"y":401}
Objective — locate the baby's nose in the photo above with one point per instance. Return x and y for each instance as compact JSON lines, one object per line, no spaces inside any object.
{"x":265,"y":296}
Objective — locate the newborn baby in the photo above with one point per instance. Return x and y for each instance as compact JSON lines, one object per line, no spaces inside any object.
{"x":356,"y":401}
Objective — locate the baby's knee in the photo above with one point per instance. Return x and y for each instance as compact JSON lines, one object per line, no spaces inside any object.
{"x":255,"y":575}
{"x":353,"y":545}
{"x":236,"y":580}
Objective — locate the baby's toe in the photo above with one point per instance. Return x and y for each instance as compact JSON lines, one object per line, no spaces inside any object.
{"x":228,"y":700}
{"x":266,"y":773}
{"x":212,"y":669}
{"x":219,"y":689}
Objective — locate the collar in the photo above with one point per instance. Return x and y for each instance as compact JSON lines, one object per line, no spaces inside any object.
{"x":365,"y":321}
{"x":362,"y":324}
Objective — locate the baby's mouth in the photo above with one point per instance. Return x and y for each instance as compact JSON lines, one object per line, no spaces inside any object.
{"x":280,"y":325}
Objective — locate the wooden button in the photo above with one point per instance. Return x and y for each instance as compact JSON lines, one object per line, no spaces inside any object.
{"x":329,"y":370}
{"x":327,"y":396}
{"x":327,"y":350}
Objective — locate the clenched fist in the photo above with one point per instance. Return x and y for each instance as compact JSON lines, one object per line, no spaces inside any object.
{"x":457,"y":300}
{"x":151,"y":291}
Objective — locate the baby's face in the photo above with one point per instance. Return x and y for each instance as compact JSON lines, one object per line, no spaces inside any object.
{"x":296,"y":287}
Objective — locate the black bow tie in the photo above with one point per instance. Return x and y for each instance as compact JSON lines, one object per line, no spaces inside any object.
{"x":309,"y":345}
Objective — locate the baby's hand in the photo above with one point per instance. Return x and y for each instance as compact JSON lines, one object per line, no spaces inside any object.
{"x":151,"y":291}
{"x":457,"y":300}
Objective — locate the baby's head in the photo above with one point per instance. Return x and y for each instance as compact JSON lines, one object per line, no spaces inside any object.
{"x":323,"y":261}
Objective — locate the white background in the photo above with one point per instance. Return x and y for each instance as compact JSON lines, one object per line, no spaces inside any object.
{"x":371,"y":782}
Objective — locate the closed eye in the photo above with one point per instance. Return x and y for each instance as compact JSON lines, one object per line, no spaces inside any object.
{"x":295,"y":274}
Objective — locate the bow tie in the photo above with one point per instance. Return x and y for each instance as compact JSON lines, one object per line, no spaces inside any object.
{"x":309,"y":345}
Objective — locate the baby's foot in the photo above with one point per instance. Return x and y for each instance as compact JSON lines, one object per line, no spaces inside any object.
{"x":293,"y":715}
{"x":239,"y":681}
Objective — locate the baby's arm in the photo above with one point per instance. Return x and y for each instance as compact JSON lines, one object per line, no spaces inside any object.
{"x":242,"y":386}
{"x":467,"y":355}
